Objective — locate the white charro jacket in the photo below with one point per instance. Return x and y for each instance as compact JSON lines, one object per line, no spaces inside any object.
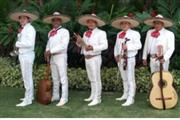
{"x":98,"y":40}
{"x":26,"y":39}
{"x":166,"y":39}
{"x":133,"y":45}
{"x":58,"y":43}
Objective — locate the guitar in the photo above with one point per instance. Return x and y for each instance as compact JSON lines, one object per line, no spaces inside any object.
{"x":162,"y":95}
{"x":44,"y":92}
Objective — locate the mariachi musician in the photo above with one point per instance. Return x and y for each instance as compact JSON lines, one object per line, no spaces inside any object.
{"x":126,"y":47}
{"x":158,"y":36}
{"x":94,"y":41}
{"x":56,"y":54}
{"x":25,"y":48}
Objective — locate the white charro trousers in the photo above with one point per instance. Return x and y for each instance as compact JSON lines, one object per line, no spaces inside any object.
{"x":128,"y":77}
{"x":26,"y":64}
{"x":154,"y":65}
{"x":59,"y":76}
{"x":93,"y":67}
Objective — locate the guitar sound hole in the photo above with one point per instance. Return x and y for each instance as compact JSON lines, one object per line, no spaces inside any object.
{"x":163,"y":84}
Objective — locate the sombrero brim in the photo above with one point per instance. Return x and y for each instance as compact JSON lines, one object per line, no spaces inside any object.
{"x":116,"y":22}
{"x":83,"y":20}
{"x":167,"y":22}
{"x":64,"y":18}
{"x":15,"y":16}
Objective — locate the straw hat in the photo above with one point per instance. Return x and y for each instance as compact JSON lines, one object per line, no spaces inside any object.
{"x":116,"y":22}
{"x":64,"y":18}
{"x":83,"y":19}
{"x":150,"y":21}
{"x":15,"y":15}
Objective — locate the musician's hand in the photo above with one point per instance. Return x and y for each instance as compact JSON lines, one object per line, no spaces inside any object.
{"x":78,"y":43}
{"x":89,"y":48}
{"x":117,"y":58}
{"x":124,"y":47}
{"x":162,"y":61}
{"x":78,"y":39}
{"x":47,"y":56}
{"x":144,"y":62}
{"x":16,"y":48}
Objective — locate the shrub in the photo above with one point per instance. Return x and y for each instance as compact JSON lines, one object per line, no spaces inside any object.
{"x":10,"y":76}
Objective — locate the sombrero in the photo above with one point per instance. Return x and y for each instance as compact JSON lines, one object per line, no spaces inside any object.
{"x":116,"y":22}
{"x":64,"y":18}
{"x":150,"y":21}
{"x":83,"y":19}
{"x":15,"y":15}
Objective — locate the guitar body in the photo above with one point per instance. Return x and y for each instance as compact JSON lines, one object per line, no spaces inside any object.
{"x":44,"y":91}
{"x":169,"y":93}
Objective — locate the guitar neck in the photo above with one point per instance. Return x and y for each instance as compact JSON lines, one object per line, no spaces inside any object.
{"x":161,"y":70}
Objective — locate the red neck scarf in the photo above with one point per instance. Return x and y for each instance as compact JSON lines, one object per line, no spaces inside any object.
{"x":155,"y":34}
{"x":122,"y":34}
{"x":20,"y":29}
{"x":88,"y":33}
{"x":53,"y":32}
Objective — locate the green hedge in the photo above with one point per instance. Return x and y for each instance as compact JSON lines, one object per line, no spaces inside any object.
{"x":10,"y":76}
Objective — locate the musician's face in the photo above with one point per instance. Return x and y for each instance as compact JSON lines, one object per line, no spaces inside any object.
{"x":125,"y":25}
{"x":23,"y":20}
{"x":158,"y":25}
{"x":91,"y":24}
{"x":56,"y":22}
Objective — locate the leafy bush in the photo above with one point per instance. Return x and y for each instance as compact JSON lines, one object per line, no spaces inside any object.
{"x":111,"y":81}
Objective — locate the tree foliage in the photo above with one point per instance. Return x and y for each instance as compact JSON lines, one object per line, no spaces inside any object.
{"x":107,"y":9}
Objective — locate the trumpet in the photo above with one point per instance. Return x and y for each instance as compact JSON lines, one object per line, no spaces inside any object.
{"x":15,"y":52}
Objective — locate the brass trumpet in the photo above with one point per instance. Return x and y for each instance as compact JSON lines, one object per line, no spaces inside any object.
{"x":15,"y":52}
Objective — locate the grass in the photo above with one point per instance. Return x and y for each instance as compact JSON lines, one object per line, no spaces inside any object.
{"x":76,"y":107}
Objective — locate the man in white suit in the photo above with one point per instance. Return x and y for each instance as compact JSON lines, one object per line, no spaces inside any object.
{"x":94,"y":41}
{"x":127,"y":45}
{"x":56,"y":54}
{"x":25,"y":46}
{"x":158,"y":36}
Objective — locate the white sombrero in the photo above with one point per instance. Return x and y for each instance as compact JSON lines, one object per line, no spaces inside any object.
{"x":64,"y":18}
{"x":83,"y":19}
{"x":150,"y":21}
{"x":116,"y":22}
{"x":15,"y":15}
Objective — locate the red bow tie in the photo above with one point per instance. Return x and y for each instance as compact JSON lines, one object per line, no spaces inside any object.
{"x":20,"y":29}
{"x":88,"y":33}
{"x":122,"y":35}
{"x":53,"y":32}
{"x":155,"y":34}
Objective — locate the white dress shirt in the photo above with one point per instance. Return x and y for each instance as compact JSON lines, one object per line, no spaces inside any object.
{"x":133,"y":45}
{"x":59,"y":42}
{"x":26,"y":39}
{"x":98,"y":40}
{"x":166,"y":39}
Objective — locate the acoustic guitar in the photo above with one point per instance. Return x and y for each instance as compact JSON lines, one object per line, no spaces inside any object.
{"x":163,"y":95}
{"x":44,"y":92}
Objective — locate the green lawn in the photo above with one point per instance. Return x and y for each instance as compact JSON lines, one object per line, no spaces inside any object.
{"x":76,"y":107}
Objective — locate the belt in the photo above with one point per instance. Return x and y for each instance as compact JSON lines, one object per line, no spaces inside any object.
{"x":54,"y":54}
{"x":127,"y":57}
{"x":153,"y":56}
{"x":90,"y":56}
